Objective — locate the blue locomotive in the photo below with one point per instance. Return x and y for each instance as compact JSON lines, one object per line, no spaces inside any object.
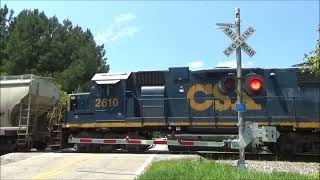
{"x":197,"y":105}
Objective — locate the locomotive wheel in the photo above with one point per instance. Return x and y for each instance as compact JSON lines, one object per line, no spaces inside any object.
{"x":108,"y":147}
{"x":81,"y":148}
{"x":285,"y":147}
{"x":178,"y":148}
{"x":85,"y":147}
{"x":132,"y":148}
{"x":291,"y":144}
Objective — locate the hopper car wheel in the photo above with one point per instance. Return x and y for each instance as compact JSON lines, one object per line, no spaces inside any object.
{"x":8,"y":145}
{"x":23,"y":148}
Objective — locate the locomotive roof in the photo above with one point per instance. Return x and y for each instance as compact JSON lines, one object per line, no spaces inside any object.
{"x":106,"y":78}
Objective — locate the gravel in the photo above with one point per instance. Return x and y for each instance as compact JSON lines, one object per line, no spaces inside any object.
{"x":306,"y":168}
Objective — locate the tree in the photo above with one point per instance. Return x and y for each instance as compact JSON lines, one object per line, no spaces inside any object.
{"x":40,"y":45}
{"x":5,"y":20}
{"x":313,"y":59}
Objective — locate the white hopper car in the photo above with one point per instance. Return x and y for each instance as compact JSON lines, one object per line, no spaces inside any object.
{"x":25,"y":103}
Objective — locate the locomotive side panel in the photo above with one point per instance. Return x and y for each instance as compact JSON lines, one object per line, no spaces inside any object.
{"x":191,"y":104}
{"x":197,"y":98}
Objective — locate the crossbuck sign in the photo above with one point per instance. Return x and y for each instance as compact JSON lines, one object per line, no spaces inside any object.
{"x":239,"y":41}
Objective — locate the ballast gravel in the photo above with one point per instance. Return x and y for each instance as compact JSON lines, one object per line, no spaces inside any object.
{"x":306,"y":168}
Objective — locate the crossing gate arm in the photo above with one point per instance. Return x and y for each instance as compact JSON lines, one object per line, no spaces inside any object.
{"x":250,"y":133}
{"x":145,"y":142}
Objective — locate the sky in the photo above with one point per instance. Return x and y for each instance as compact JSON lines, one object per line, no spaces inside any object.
{"x":144,"y":35}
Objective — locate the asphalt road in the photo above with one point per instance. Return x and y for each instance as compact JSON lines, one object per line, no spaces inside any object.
{"x":79,"y":165}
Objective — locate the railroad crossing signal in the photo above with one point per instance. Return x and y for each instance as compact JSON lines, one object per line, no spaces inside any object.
{"x":238,"y":44}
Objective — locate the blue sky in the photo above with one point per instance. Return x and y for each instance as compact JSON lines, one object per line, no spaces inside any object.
{"x":145,"y":35}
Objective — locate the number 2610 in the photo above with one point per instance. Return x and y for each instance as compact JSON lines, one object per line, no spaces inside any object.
{"x":112,"y":102}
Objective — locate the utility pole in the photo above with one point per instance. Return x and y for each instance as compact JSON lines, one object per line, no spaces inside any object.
{"x":241,"y":162}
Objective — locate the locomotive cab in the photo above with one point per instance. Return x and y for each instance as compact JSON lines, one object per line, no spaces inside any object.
{"x":103,"y":104}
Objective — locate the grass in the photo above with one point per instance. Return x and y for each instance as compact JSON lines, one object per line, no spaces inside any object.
{"x":198,"y":170}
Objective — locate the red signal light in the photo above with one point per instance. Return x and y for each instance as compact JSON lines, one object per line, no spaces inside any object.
{"x":255,"y":84}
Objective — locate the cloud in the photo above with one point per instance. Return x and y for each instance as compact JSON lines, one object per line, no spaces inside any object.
{"x":195,"y":65}
{"x":119,"y":28}
{"x":125,"y":32}
{"x":124,"y":18}
{"x":230,"y":63}
{"x":250,"y":63}
{"x":233,"y":64}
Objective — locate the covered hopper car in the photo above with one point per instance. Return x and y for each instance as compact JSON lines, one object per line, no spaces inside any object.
{"x":195,"y":106}
{"x":25,"y":103}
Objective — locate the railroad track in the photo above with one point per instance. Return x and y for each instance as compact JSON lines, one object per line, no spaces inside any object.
{"x":218,"y":155}
{"x":263,"y":156}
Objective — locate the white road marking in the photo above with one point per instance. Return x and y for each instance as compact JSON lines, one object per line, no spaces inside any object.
{"x":144,"y":165}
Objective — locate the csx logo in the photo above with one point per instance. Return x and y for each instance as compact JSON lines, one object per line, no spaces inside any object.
{"x":221,"y":102}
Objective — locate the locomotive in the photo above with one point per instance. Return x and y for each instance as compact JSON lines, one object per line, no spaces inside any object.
{"x":195,"y":106}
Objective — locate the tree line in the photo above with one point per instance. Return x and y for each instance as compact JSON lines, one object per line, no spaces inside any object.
{"x":33,"y":43}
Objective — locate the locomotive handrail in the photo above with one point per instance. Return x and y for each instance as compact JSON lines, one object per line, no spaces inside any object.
{"x":133,"y":95}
